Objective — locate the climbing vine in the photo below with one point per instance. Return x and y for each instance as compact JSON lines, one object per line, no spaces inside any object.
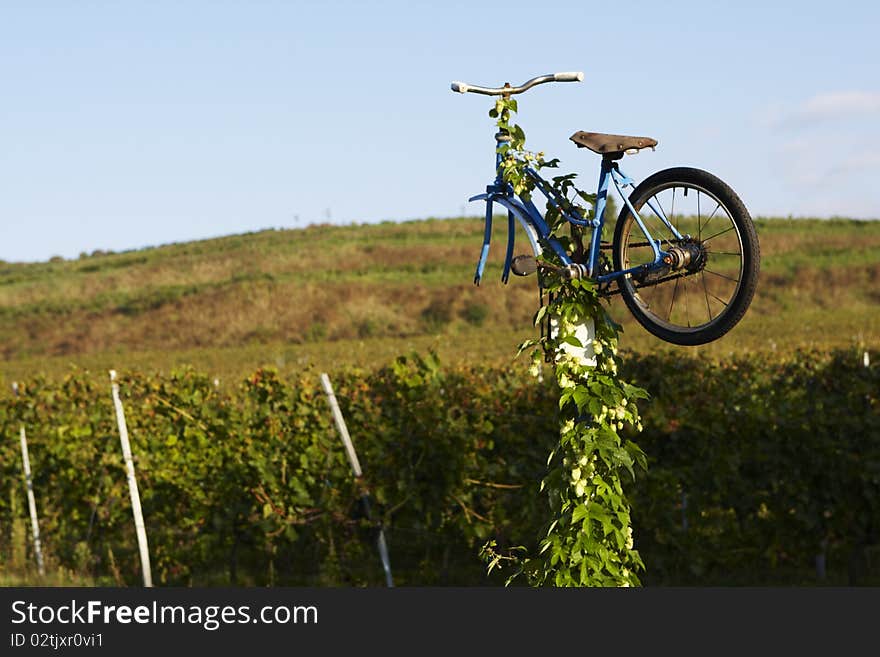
{"x":588,"y":540}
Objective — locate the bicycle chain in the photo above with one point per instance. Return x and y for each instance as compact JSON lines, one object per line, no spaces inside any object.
{"x":606,"y":293}
{"x":604,"y":289}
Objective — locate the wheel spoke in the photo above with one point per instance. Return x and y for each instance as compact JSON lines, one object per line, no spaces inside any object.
{"x":712,"y":215}
{"x":706,"y":290}
{"x":726,"y":303}
{"x":699,"y":226}
{"x":738,"y":254}
{"x":709,"y":271}
{"x":663,"y":226}
{"x":726,"y":230}
{"x":672,"y":303}
{"x":672,"y":210}
{"x":687,"y":314}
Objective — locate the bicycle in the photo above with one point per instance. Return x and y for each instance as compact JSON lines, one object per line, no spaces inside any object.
{"x":652,"y":271}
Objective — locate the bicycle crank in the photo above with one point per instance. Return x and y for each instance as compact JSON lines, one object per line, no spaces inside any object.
{"x":523,"y":265}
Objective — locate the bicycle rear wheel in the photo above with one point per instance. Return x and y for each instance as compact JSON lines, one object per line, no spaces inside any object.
{"x":711,"y":279}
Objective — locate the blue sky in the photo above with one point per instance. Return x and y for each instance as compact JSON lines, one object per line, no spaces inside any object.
{"x":127,"y":124}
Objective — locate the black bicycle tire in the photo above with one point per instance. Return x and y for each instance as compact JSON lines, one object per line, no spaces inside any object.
{"x":751,"y":255}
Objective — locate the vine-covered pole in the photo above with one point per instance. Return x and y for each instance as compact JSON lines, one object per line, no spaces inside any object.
{"x":339,"y":420}
{"x":588,"y":539}
{"x":32,"y":504}
{"x":132,"y":483}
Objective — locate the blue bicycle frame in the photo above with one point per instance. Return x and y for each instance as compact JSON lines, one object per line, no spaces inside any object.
{"x":538,"y":232}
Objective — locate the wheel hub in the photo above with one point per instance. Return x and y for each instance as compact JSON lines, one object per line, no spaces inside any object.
{"x":689,"y":254}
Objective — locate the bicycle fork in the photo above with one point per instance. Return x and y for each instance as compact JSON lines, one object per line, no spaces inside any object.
{"x":516,"y":212}
{"x":487,"y":238}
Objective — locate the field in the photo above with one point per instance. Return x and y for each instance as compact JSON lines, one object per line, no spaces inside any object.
{"x":763,"y":487}
{"x":360,"y":295}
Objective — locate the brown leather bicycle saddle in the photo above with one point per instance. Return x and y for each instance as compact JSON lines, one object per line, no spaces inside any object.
{"x":611,"y":144}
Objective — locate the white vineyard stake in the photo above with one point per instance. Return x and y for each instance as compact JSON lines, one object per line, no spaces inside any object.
{"x":132,"y":483}
{"x":340,"y":426}
{"x":32,"y":504}
{"x":356,"y":469}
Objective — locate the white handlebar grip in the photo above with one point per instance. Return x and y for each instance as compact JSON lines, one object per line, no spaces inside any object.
{"x":460,"y":87}
{"x":569,"y":77}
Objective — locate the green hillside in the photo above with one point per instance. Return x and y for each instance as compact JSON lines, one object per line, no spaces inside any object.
{"x":361,"y":294}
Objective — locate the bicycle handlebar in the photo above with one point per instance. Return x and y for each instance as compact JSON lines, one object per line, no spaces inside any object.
{"x":463,"y":87}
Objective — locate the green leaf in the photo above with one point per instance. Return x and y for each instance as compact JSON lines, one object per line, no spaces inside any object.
{"x":579,"y":514}
{"x":542,"y":312}
{"x":565,"y":397}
